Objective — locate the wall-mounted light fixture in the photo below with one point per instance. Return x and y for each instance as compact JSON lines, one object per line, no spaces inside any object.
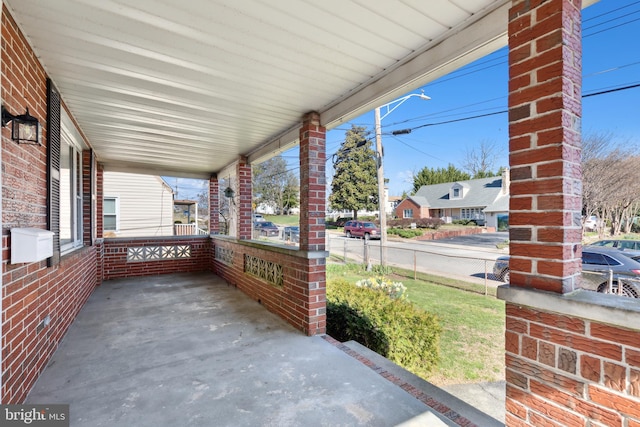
{"x":229,"y":193}
{"x":25,"y":128}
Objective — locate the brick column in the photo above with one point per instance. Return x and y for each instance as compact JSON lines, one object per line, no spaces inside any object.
{"x":312,"y":183}
{"x":545,"y":68}
{"x":88,"y":193}
{"x":214,"y":205}
{"x":243,"y":197}
{"x":99,"y":201}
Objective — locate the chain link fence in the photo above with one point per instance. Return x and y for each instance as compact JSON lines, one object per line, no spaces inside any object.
{"x":473,"y":269}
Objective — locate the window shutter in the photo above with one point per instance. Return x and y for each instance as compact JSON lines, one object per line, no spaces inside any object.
{"x":53,"y":169}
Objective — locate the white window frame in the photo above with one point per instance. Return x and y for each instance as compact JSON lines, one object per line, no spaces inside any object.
{"x":71,"y":140}
{"x":404,"y":213}
{"x":116,"y":213}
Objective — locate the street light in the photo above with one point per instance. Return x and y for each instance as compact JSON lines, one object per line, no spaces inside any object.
{"x":390,"y":107}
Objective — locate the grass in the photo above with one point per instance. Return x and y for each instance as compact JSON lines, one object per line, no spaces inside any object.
{"x":472,"y":341}
{"x":283,"y":219}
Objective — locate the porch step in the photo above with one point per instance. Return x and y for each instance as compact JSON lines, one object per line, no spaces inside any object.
{"x":449,"y":407}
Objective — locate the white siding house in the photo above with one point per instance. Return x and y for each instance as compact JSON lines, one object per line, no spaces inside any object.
{"x":137,"y":205}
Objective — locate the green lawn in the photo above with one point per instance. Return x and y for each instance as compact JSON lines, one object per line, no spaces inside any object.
{"x":283,"y":219}
{"x":472,"y":340}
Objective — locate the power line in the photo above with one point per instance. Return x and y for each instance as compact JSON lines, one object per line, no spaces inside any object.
{"x":464,"y":72}
{"x":478,"y":116}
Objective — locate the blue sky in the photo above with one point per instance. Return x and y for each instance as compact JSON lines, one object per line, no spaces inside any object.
{"x":611,"y":59}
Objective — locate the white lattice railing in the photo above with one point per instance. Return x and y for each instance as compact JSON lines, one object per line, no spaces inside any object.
{"x":263,"y":269}
{"x":158,"y":253}
{"x":224,"y":255}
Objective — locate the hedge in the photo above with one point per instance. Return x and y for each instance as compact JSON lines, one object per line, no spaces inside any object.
{"x":395,"y":329}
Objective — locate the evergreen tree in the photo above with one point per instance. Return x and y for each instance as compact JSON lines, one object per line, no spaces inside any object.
{"x":430,"y":176}
{"x":355,"y":183}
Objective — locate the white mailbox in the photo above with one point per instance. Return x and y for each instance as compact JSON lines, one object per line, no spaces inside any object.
{"x":30,"y":245}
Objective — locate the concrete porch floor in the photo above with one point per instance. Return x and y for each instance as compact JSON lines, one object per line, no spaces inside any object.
{"x":190,"y":350}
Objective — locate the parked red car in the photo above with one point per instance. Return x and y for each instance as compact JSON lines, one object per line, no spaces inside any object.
{"x":363,"y":229}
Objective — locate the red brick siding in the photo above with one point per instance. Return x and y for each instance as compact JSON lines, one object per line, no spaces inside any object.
{"x":445,"y":234}
{"x":570,"y":371}
{"x":312,"y":183}
{"x":214,"y":205}
{"x":116,"y":264}
{"x":88,"y":191}
{"x":24,"y":176}
{"x":418,"y":212}
{"x":99,"y":201}
{"x":31,"y":291}
{"x":301,"y":300}
{"x":245,"y":224}
{"x":544,"y":131}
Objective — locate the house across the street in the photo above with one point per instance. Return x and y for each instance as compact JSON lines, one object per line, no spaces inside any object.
{"x":484,"y":200}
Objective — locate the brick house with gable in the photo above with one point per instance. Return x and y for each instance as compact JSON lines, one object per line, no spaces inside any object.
{"x":460,"y":200}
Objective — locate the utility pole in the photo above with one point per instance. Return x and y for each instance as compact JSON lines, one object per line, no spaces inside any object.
{"x":382,"y":203}
{"x":381,"y":196}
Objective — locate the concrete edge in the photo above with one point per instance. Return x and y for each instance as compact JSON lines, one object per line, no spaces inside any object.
{"x":611,"y":309}
{"x":455,"y":404}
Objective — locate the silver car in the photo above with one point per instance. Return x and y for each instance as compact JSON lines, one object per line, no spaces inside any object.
{"x":600,"y":266}
{"x":621,"y":244}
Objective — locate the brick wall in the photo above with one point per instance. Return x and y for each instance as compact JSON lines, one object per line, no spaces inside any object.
{"x":418,"y":212}
{"x":301,"y":299}
{"x":312,"y":183}
{"x":115,"y":264}
{"x":214,"y":205}
{"x":564,"y":370}
{"x":31,"y":291}
{"x":544,"y":146}
{"x":244,"y":199}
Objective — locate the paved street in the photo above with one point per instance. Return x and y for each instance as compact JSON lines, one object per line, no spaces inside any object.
{"x":469,"y":258}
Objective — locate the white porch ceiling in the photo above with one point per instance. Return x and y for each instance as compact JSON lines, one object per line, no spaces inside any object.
{"x":184,"y":87}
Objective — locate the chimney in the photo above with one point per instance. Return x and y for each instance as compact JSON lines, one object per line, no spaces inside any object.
{"x":506,"y":181}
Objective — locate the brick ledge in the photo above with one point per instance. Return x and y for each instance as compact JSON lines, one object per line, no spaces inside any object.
{"x":611,"y":309}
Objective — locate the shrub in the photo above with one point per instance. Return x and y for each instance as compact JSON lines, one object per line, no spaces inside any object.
{"x":405,"y":223}
{"x":394,"y":328}
{"x":469,"y":222}
{"x":394,"y":290}
{"x":433,"y":223}
{"x":405,"y":234}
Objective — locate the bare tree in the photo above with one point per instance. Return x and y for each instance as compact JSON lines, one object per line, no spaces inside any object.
{"x":480,"y":161}
{"x":610,"y":174}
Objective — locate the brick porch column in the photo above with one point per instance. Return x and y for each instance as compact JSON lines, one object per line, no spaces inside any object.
{"x":312,"y":183}
{"x":99,"y":201}
{"x":545,"y":108}
{"x":243,"y":198}
{"x":214,"y":205}
{"x":571,"y":358}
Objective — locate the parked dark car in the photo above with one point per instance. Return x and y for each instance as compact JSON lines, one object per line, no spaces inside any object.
{"x":266,"y":228}
{"x":633,"y":245}
{"x":291,"y":234}
{"x":364,"y":229}
{"x":597,"y":265}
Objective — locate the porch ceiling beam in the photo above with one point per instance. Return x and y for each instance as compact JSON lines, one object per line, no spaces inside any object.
{"x":144,"y":169}
{"x":284,"y":142}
